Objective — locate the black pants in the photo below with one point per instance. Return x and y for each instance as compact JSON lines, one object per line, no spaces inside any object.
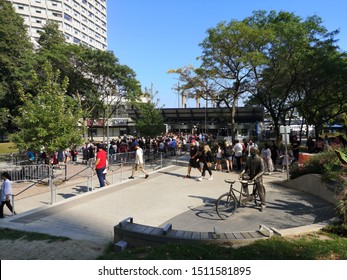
{"x":206,"y":168}
{"x":9,"y":206}
{"x":238,"y":162}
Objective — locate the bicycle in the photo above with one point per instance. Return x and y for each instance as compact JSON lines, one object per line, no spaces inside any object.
{"x":227,"y":203}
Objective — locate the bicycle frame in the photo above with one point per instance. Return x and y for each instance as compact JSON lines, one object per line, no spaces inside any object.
{"x":228,"y":202}
{"x":233,"y":190}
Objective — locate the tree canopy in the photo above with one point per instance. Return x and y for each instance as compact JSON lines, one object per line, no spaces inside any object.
{"x":49,"y":119}
{"x":270,"y":59}
{"x":15,"y":58}
{"x":150,"y":123}
{"x":98,"y":83}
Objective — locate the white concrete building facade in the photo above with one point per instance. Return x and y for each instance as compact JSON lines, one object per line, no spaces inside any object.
{"x":82,"y":21}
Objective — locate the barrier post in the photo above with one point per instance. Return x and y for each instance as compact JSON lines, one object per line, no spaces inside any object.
{"x":161,"y":160}
{"x":50,"y":182}
{"x":65,"y":171}
{"x":92,"y":178}
{"x":12,"y":204}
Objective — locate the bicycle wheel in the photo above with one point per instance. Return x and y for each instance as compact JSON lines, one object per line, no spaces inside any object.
{"x":226,"y":206}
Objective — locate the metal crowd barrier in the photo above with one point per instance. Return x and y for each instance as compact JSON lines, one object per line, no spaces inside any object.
{"x":122,"y":164}
{"x":22,"y":173}
{"x":123,"y":157}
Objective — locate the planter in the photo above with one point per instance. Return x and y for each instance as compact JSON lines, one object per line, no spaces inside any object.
{"x":313,"y":184}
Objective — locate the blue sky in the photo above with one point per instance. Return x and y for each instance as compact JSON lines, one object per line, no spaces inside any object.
{"x":153,"y":36}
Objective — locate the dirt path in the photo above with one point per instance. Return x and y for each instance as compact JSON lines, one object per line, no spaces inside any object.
{"x":22,"y":249}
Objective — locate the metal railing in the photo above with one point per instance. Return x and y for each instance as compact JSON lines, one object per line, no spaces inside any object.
{"x":50,"y":174}
{"x":24,"y":173}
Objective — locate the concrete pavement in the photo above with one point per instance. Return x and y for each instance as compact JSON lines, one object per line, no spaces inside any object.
{"x":165,"y":197}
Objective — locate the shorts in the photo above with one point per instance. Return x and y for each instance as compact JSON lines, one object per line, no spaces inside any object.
{"x":194,"y":163}
{"x":138,"y":166}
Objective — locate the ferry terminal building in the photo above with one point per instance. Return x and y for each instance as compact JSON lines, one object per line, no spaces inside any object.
{"x":216,"y":121}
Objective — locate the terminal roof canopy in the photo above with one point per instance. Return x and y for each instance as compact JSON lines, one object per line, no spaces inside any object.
{"x":194,"y":115}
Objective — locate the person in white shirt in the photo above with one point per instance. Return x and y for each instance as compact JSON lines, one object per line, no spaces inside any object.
{"x":138,"y":161}
{"x":6,"y":194}
{"x":238,"y":154}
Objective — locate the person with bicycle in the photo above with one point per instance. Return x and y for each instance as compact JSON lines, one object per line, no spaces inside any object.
{"x":255,"y":169}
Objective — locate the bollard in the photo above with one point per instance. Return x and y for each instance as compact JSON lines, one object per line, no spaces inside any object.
{"x":161,"y":160}
{"x":120,"y":246}
{"x":121,"y":171}
{"x":65,"y":172}
{"x":13,"y":205}
{"x":50,"y":182}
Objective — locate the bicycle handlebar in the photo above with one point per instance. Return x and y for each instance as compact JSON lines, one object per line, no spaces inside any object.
{"x":230,"y":181}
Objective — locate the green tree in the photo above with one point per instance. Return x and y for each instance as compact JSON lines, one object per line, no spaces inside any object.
{"x":150,"y":122}
{"x":15,"y":60}
{"x":291,"y":42}
{"x":230,"y":53}
{"x":51,"y":36}
{"x":322,"y":91}
{"x":99,"y":83}
{"x":50,"y":118}
{"x":112,"y":84}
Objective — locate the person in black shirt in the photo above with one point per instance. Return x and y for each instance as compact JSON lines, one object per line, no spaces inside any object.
{"x":295,"y":145}
{"x":194,"y":158}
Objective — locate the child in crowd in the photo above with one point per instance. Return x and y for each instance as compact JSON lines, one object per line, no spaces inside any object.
{"x":286,"y":159}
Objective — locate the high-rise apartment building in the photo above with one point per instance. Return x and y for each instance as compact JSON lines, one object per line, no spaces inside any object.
{"x":82,"y":21}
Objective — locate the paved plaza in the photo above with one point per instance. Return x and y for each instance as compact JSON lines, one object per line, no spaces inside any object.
{"x":165,"y":197}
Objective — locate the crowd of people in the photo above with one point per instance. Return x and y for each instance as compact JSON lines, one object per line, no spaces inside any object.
{"x":227,"y":156}
{"x":207,"y":154}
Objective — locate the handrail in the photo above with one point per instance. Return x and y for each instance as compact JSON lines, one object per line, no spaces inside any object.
{"x":77,"y":173}
{"x":27,"y":188}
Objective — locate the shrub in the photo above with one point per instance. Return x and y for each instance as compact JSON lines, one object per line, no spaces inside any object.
{"x":326,"y":163}
{"x":342,"y":205}
{"x":333,"y":172}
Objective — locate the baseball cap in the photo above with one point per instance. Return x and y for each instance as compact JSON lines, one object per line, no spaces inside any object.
{"x":135,"y":143}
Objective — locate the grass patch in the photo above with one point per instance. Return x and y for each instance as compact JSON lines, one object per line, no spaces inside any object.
{"x":329,"y":244}
{"x":277,"y":248}
{"x":7,"y":148}
{"x":11,"y":234}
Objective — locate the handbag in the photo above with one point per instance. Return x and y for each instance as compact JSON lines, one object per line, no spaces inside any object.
{"x":209,"y":164}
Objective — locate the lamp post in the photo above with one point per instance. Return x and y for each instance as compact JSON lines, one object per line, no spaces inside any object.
{"x":285,"y":130}
{"x":205,"y":116}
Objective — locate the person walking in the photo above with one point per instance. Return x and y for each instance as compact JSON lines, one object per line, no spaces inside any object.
{"x":100,"y":164}
{"x":194,"y":158}
{"x":207,"y":159}
{"x":6,"y":194}
{"x":255,"y":169}
{"x":138,"y":161}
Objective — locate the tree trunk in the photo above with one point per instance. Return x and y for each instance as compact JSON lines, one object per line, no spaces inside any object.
{"x":233,"y":125}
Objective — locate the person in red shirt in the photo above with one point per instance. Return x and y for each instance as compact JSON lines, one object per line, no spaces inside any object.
{"x":100,"y":164}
